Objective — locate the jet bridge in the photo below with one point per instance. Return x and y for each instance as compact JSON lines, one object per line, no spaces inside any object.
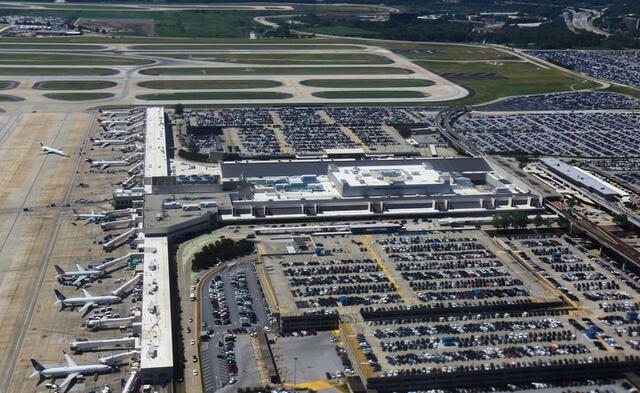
{"x":119,"y":240}
{"x":92,"y":345}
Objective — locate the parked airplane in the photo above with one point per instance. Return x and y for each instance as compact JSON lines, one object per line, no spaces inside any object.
{"x":89,"y":216}
{"x":87,"y":301}
{"x":51,"y":150}
{"x":71,"y":371}
{"x":80,"y":275}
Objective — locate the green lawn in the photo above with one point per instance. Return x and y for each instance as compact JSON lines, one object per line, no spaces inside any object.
{"x":364,"y":94}
{"x":630,"y":91}
{"x":6,"y":85}
{"x":243,"y":47}
{"x":367,"y":83}
{"x":274,"y":71}
{"x":74,"y":85}
{"x":193,"y":23}
{"x":50,"y":46}
{"x":284,"y":58}
{"x":9,"y":98}
{"x":78,"y":96}
{"x":56,"y":59}
{"x":521,"y":78}
{"x":213,"y":95}
{"x":339,"y":31}
{"x":209,"y":84}
{"x":445,"y":51}
{"x":48,"y":71}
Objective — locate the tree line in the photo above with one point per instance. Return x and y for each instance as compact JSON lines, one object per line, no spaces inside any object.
{"x":221,"y":251}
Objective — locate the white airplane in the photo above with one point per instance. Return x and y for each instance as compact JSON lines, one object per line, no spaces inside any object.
{"x":80,"y":275}
{"x":71,"y":371}
{"x":89,"y":216}
{"x":51,"y":150}
{"x":87,"y":301}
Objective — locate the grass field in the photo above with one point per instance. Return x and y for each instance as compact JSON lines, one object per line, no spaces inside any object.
{"x":364,"y":94}
{"x":445,"y":51}
{"x":209,"y":84}
{"x":274,"y":71}
{"x":78,"y":96}
{"x":367,"y":83}
{"x":196,"y":23}
{"x":48,"y":71}
{"x":521,"y":78}
{"x":56,"y":59}
{"x":340,"y":30}
{"x":9,"y":98}
{"x":74,"y":85}
{"x":213,"y":95}
{"x":6,"y":85}
{"x":284,"y":58}
{"x":630,"y":91}
{"x":51,"y":46}
{"x":242,"y":47}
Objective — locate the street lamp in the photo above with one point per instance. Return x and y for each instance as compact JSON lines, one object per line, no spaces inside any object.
{"x":295,"y":372}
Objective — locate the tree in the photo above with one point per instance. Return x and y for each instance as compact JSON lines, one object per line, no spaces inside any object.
{"x":178,"y":109}
{"x":571,"y":202}
{"x":500,"y":220}
{"x":621,"y":220}
{"x":193,"y":147}
{"x":538,"y":221}
{"x":562,"y":222}
{"x":518,"y":220}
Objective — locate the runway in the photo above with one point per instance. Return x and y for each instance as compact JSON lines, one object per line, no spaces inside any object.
{"x":128,"y":77}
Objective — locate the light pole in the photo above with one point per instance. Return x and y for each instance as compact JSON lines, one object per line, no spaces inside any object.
{"x":295,"y":372}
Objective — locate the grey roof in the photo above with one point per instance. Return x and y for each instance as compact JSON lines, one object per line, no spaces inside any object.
{"x":319,"y":167}
{"x":579,"y":176}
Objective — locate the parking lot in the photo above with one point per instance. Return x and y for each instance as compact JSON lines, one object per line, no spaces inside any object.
{"x":232,"y":307}
{"x":437,"y":270}
{"x":621,"y":66}
{"x":585,"y":134}
{"x":291,"y":130}
{"x":573,"y":101}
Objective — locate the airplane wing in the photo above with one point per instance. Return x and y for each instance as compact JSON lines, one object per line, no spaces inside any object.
{"x":68,"y":380}
{"x":86,"y":307}
{"x":70,"y":362}
{"x":80,"y":268}
{"x":78,"y":281}
{"x":86,"y":293}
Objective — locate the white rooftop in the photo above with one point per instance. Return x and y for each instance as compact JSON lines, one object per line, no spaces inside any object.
{"x":583,"y":177}
{"x":156,"y":340}
{"x":386,"y":175}
{"x":155,"y":149}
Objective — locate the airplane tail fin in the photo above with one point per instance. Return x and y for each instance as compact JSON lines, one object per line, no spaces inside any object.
{"x":41,"y":144}
{"x":74,"y":211}
{"x":59,"y":271}
{"x":37,"y":367}
{"x":59,"y":295}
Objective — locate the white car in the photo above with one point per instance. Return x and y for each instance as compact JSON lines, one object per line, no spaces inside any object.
{"x":195,"y":372}
{"x":193,"y":342}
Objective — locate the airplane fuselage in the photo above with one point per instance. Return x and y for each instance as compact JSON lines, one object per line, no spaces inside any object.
{"x":66,"y":370}
{"x":83,"y":273}
{"x":80,"y":301}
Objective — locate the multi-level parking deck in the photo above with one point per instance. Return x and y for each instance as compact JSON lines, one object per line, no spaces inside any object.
{"x":433,"y":270}
{"x":420,"y":309}
{"x":293,"y":131}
